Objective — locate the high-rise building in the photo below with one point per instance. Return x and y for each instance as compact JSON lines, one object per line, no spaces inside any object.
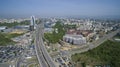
{"x":32,"y":24}
{"x":32,"y":20}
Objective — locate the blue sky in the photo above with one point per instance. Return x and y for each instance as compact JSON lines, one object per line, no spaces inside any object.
{"x":49,"y":8}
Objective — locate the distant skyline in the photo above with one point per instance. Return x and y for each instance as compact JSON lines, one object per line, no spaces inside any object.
{"x":60,"y":8}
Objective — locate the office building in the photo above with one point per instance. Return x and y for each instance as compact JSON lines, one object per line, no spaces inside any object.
{"x":32,"y":24}
{"x":74,"y":39}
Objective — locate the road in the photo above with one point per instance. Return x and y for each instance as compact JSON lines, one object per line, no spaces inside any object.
{"x":43,"y":57}
{"x":18,"y":62}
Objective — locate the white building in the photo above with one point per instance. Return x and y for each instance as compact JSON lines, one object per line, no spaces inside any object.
{"x":3,"y":27}
{"x":32,"y":24}
{"x":32,"y":20}
{"x":74,"y":39}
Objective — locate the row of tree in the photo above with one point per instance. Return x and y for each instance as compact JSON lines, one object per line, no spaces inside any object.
{"x":54,"y":37}
{"x":26,"y":22}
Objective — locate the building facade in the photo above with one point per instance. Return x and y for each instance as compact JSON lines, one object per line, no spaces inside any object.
{"x":32,"y":24}
{"x":74,"y":39}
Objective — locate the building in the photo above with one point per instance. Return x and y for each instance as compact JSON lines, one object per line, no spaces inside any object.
{"x":7,"y":30}
{"x":32,"y":24}
{"x":26,"y":27}
{"x":74,"y":39}
{"x":3,"y":27}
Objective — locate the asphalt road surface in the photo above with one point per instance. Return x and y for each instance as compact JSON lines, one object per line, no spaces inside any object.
{"x":43,"y":57}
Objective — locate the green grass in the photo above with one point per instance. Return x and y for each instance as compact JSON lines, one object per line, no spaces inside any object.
{"x":12,"y":35}
{"x":5,"y":39}
{"x":106,"y":53}
{"x":117,"y":36}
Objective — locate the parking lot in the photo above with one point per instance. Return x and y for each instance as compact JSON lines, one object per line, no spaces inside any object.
{"x":9,"y":53}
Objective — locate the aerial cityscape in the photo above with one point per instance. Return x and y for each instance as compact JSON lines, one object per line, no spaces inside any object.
{"x":59,"y":33}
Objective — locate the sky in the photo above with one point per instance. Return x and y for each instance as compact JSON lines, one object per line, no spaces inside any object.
{"x":61,"y":8}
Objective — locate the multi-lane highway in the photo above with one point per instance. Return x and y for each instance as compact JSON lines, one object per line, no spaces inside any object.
{"x":43,"y":57}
